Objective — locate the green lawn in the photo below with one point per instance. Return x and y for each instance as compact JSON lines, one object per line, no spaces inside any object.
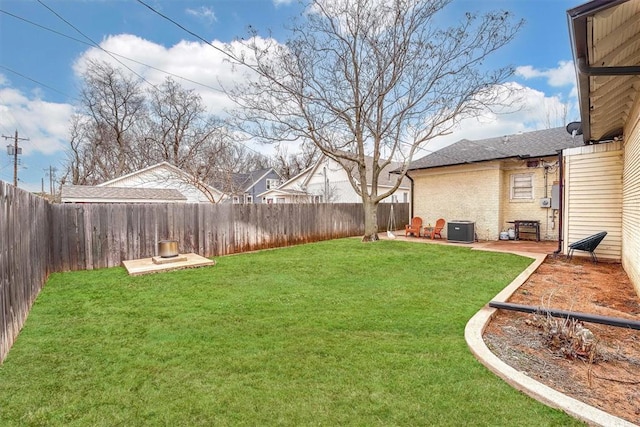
{"x":333,"y":333}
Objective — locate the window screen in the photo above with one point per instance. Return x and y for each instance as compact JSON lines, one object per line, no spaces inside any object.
{"x":522,"y":186}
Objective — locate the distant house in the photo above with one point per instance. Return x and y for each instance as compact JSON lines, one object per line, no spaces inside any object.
{"x":493,"y":182}
{"x":167,"y":176}
{"x":92,"y":194}
{"x":245,"y":187}
{"x":327,"y":182}
{"x":602,"y":183}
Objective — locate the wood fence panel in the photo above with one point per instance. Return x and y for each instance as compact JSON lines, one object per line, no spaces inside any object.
{"x":25,"y":256}
{"x":100,"y":236}
{"x":37,"y":237}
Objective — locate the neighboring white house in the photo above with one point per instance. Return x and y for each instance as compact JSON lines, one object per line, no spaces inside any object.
{"x":327,"y":182}
{"x":166,"y":176}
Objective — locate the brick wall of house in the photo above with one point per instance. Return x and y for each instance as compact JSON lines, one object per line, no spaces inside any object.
{"x":465,"y":192}
{"x":481,"y":192}
{"x":531,"y":209}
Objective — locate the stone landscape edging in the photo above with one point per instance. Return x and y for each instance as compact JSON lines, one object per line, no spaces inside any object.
{"x":473,"y":335}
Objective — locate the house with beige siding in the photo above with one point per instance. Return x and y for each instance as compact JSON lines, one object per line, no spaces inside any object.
{"x":603,"y":177}
{"x":494,"y":182}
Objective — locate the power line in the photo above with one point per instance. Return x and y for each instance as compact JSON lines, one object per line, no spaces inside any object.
{"x":182,"y":27}
{"x":227,"y":54}
{"x":33,"y":80}
{"x":44,"y":28}
{"x":110,"y":52}
{"x":93,"y":42}
{"x":113,"y":54}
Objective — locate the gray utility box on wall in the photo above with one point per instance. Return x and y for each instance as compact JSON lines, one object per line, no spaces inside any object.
{"x":461,"y":231}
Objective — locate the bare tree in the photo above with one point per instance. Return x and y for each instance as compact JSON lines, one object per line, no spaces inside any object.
{"x":180,"y":129}
{"x":115,"y":103}
{"x":555,"y":113}
{"x":77,"y":168}
{"x":121,"y":128}
{"x":289,"y":165}
{"x":370,"y":78}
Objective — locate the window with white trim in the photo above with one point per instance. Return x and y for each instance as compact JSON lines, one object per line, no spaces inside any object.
{"x":522,"y":186}
{"x":272,"y":183}
{"x":249,"y":199}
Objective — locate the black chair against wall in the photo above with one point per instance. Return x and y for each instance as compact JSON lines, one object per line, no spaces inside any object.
{"x":588,"y":244}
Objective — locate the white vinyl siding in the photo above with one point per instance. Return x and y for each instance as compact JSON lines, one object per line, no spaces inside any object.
{"x":593,"y":196}
{"x":522,"y":186}
{"x":631,"y":201}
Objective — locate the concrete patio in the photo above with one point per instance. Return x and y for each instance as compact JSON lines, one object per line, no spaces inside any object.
{"x":518,"y":246}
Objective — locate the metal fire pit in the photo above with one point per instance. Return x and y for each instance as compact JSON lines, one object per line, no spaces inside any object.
{"x":168,"y":248}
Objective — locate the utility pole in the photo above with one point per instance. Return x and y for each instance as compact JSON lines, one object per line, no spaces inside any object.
{"x":52,"y":178}
{"x":14,"y":151}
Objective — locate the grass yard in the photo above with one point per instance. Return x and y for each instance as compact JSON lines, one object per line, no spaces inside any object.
{"x":332,"y":333}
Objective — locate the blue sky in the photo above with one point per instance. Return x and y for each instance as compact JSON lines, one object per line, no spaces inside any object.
{"x":39,"y":67}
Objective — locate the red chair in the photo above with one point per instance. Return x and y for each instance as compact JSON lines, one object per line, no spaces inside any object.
{"x":414,"y":227}
{"x":435,"y":231}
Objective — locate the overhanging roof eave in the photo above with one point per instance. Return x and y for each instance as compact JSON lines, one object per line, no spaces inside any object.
{"x":578,"y":34}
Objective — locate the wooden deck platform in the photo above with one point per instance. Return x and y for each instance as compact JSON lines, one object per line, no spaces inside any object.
{"x":137,"y":267}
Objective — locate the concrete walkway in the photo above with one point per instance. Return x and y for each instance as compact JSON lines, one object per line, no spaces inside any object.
{"x":475,"y":328}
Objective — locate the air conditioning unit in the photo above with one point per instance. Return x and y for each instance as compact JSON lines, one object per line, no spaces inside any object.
{"x":545,"y":202}
{"x":461,"y":231}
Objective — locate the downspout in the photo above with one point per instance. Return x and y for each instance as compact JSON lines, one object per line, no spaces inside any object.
{"x":622,"y":70}
{"x":560,"y":202}
{"x":411,"y":199}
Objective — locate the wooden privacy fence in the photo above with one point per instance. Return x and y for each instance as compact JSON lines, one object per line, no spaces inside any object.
{"x":37,"y":238}
{"x":89,"y":236}
{"x":25,"y":236}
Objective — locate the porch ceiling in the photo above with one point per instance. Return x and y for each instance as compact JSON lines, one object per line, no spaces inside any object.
{"x":605,"y":38}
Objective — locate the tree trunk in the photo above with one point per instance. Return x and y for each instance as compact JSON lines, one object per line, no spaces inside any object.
{"x":370,"y":220}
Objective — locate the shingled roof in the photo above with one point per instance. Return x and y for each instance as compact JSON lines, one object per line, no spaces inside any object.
{"x":91,"y":194}
{"x":540,"y":143}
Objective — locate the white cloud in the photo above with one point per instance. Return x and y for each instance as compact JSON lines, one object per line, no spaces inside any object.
{"x":203,"y":12}
{"x":202,"y":63}
{"x":195,"y":65}
{"x":532,"y":110}
{"x":45,"y":124}
{"x":282,"y":2}
{"x":563,"y":75}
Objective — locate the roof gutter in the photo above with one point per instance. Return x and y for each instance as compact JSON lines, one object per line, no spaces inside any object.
{"x":578,"y":23}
